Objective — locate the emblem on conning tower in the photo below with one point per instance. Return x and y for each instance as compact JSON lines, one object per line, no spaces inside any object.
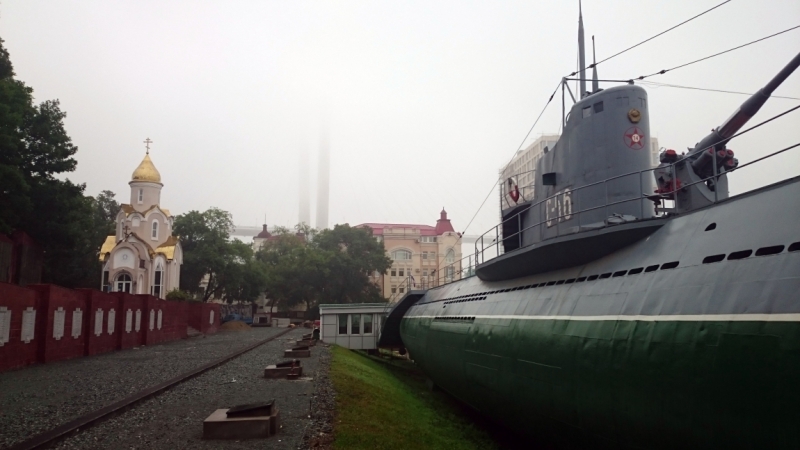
{"x":634,"y":138}
{"x":634,"y":115}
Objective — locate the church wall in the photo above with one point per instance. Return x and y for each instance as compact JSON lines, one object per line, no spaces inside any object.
{"x":104,"y":341}
{"x":131,"y":304}
{"x":15,"y":352}
{"x":151,"y":195}
{"x":51,"y":346}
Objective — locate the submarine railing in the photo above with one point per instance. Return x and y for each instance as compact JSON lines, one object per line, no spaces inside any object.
{"x":561,"y":217}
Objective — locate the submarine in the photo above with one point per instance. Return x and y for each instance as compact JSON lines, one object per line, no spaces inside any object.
{"x":630,"y":306}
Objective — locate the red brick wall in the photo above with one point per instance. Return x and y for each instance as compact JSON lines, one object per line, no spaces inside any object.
{"x":175,"y":320}
{"x":152,"y":305}
{"x":105,"y":341}
{"x":132,"y":303}
{"x":51,"y":299}
{"x":200,"y":317}
{"x":15,"y":353}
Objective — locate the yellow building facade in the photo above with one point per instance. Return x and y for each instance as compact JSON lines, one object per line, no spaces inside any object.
{"x":423,"y":256}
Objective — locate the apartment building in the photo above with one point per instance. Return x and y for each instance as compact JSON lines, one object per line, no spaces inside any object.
{"x":423,"y":256}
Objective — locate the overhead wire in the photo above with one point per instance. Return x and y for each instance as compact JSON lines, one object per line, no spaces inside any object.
{"x":663,"y":71}
{"x":656,"y":84}
{"x":593,"y":65}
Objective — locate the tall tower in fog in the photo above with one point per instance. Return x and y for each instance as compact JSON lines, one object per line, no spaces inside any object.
{"x":323,"y":181}
{"x":305,"y":189}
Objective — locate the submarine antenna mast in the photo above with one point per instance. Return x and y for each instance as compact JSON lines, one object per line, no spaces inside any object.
{"x":581,"y":56}
{"x":595,"y":82}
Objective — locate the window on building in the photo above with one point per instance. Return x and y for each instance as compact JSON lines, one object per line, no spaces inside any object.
{"x":141,"y":195}
{"x":394,"y":290}
{"x":394,"y":272}
{"x":432,"y":255}
{"x":424,"y":255}
{"x":428,"y":239}
{"x":154,"y":233}
{"x":401,"y":255}
{"x":449,"y":274}
{"x":402,"y":289}
{"x":367,"y":323}
{"x":400,"y":272}
{"x":158,"y":280}
{"x":450,"y":258}
{"x":105,"y":287}
{"x":425,"y":273}
{"x":355,"y":323}
{"x":342,"y":318}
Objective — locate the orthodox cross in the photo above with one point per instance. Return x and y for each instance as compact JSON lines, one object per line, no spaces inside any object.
{"x":147,"y":143}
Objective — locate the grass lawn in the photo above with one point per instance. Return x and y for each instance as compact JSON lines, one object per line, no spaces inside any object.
{"x":380,"y":406}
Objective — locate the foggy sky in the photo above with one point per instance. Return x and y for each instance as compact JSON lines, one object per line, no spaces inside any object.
{"x":422,"y":101}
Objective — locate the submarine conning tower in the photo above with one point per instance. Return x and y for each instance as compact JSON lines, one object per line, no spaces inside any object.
{"x":592,"y":174}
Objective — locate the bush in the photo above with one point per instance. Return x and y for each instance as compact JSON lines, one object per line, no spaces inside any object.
{"x":179,"y":295}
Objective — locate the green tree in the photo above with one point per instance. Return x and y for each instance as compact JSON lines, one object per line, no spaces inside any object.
{"x":34,"y":148}
{"x":106,"y":210}
{"x":307,"y":267}
{"x":204,"y":239}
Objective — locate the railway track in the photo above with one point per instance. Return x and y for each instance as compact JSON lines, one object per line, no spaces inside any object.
{"x":47,"y":438}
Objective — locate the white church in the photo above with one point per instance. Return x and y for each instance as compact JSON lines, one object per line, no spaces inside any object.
{"x":143,"y":257}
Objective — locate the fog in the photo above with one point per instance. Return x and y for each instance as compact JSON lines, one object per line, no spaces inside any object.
{"x":422,"y":102}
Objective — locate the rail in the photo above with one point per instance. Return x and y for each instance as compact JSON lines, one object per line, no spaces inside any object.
{"x":568,"y":211}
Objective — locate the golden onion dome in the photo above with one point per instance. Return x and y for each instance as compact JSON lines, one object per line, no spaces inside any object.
{"x":146,"y":171}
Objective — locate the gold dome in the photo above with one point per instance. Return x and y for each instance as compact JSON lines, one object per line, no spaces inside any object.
{"x":146,"y":171}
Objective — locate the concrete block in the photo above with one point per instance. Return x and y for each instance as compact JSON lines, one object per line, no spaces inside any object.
{"x":219,"y":426}
{"x":282,"y":370}
{"x":297,"y":352}
{"x":305,"y":343}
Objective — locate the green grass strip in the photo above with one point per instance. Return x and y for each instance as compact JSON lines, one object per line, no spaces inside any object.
{"x":379,"y":406}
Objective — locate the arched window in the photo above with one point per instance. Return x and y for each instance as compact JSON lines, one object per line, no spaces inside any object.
{"x":158,"y":280}
{"x":123,"y":283}
{"x":141,"y":195}
{"x":450,"y":258}
{"x":401,"y":255}
{"x":154,"y":234}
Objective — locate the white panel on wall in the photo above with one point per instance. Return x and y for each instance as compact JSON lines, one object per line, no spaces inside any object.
{"x":59,"y":317}
{"x":5,"y":324}
{"x":211,"y":318}
{"x":28,"y":324}
{"x":159,"y":319}
{"x":98,"y":322}
{"x":77,"y":323}
{"x":138,"y":319}
{"x":152,"y":319}
{"x":112,"y":316}
{"x":128,"y":320}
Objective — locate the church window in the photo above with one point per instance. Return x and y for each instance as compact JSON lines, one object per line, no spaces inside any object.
{"x":123,"y":283}
{"x":105,"y":287}
{"x":141,"y":195}
{"x":154,"y":233}
{"x":158,"y":280}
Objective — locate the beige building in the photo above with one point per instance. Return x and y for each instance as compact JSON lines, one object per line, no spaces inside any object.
{"x":143,"y":257}
{"x":523,"y":167}
{"x":423,"y":256}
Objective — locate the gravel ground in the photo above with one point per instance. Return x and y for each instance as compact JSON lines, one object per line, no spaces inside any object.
{"x":319,"y":429}
{"x":174,"y":419}
{"x":38,"y":398}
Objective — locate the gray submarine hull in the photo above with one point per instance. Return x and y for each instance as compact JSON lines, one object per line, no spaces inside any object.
{"x":689,"y":337}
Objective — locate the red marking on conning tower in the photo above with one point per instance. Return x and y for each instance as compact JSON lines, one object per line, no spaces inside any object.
{"x":634,"y":138}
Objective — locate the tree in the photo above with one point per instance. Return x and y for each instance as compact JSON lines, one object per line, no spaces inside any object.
{"x":228,"y":267}
{"x":331,"y":266}
{"x":106,"y":210}
{"x":34,"y":148}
